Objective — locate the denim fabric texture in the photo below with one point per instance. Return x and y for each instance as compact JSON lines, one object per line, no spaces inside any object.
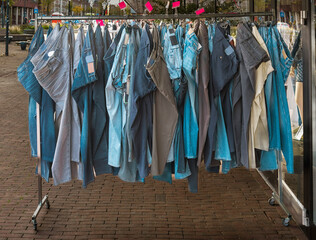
{"x":128,"y":171}
{"x":280,"y":134}
{"x":192,"y":49}
{"x":114,"y":103}
{"x":203,"y":84}
{"x":141,"y":105}
{"x":211,"y":164}
{"x":99,"y":116}
{"x":78,"y":47}
{"x":106,"y":40}
{"x":180,"y":34}
{"x":47,"y":106}
{"x":82,"y":92}
{"x":173,"y":54}
{"x":165,"y":108}
{"x":251,"y":55}
{"x":55,"y":78}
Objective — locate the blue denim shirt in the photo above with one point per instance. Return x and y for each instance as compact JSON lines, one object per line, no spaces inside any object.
{"x":128,"y":171}
{"x":173,"y":57}
{"x":116,"y":90}
{"x":190,"y":122}
{"x":106,"y":40}
{"x":82,"y":93}
{"x":55,"y":77}
{"x":99,"y":116}
{"x":48,"y":137}
{"x":180,"y":34}
{"x":141,"y":105}
{"x":173,"y":54}
{"x":280,"y":135}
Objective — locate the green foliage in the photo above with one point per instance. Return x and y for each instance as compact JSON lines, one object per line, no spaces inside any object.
{"x":26,"y":26}
{"x":77,"y":9}
{"x":45,"y":26}
{"x":46,"y":5}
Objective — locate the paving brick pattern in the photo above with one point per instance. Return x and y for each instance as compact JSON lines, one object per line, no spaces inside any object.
{"x":232,"y":206}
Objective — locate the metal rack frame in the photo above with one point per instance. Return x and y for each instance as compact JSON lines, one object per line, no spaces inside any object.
{"x":43,"y":201}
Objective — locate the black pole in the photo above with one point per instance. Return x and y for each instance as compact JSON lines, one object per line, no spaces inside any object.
{"x":2,"y":13}
{"x":90,"y":11}
{"x":7,"y":31}
{"x":69,"y":8}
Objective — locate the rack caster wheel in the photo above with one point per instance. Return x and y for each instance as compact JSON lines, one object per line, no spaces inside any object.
{"x":34,"y":224}
{"x":286,"y":221}
{"x":47,"y":205}
{"x":272,"y":201}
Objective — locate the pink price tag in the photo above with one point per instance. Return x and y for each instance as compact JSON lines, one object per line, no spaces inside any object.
{"x":100,"y":22}
{"x":176,"y":4}
{"x":148,"y":6}
{"x":199,"y":11}
{"x":122,"y":5}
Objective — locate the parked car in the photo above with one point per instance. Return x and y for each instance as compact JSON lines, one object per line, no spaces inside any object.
{"x":32,"y":22}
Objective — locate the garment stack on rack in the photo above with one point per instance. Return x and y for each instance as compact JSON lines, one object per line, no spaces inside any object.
{"x":158,"y":100}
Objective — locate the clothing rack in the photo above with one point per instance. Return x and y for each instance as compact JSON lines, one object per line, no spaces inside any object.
{"x":43,"y":201}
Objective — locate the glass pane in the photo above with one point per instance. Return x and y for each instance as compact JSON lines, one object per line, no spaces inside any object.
{"x":263,"y":6}
{"x":289,"y":28}
{"x":230,"y":6}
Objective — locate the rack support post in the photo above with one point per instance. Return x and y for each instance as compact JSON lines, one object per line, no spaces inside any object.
{"x":41,"y":201}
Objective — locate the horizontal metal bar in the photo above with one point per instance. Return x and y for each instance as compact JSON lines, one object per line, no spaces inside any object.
{"x":157,"y":16}
{"x":39,"y":207}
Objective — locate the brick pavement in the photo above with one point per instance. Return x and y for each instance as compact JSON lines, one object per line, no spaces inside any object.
{"x":232,"y":206}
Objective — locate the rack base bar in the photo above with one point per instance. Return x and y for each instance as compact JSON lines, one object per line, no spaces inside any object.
{"x":38,"y":209}
{"x":276,"y":199}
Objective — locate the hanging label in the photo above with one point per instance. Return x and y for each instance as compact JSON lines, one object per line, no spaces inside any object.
{"x":148,"y":6}
{"x":199,"y":11}
{"x":229,"y":50}
{"x":90,"y":63}
{"x":173,"y":40}
{"x":122,"y":5}
{"x":176,"y":4}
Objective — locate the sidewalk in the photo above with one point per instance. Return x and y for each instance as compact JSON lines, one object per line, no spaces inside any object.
{"x":232,"y":206}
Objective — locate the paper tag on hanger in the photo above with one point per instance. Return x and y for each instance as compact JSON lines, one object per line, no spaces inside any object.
{"x":176,"y":4}
{"x":199,"y":11}
{"x":284,"y":54}
{"x":51,"y":53}
{"x":122,"y":5}
{"x":148,"y":6}
{"x":90,"y":63}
